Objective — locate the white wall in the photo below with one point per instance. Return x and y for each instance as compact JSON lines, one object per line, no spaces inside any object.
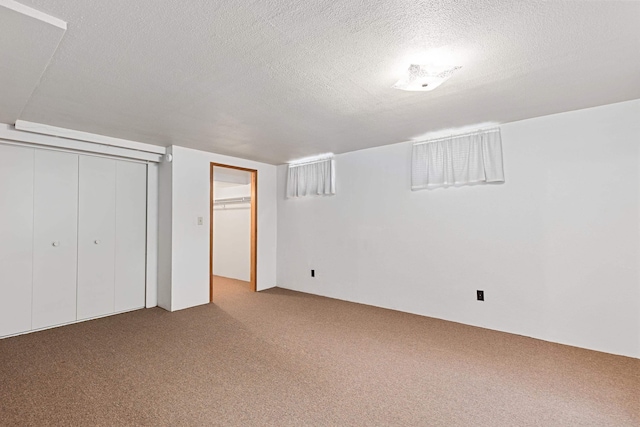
{"x":555,"y":248}
{"x":232,"y":233}
{"x":188,"y":273}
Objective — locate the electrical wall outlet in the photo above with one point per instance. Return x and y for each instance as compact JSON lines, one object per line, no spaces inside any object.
{"x":480,"y":295}
{"x":313,"y":273}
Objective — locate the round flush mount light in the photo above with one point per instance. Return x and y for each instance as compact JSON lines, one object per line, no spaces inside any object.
{"x":425,"y":77}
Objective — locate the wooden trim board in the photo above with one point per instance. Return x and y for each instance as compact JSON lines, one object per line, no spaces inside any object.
{"x":254,"y":225}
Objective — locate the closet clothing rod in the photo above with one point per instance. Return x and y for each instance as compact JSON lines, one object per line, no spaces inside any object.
{"x":232,"y":200}
{"x":237,"y":207}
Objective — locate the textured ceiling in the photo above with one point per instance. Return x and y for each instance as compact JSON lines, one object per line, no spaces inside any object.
{"x":26,"y":47}
{"x":278,"y":80}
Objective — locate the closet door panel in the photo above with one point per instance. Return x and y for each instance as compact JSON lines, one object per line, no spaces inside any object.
{"x":131,"y":220}
{"x":96,"y":236}
{"x":16,"y":238}
{"x":55,"y":242}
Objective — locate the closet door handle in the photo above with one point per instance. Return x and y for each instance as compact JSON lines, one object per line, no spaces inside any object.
{"x":97,"y":242}
{"x":56,"y":244}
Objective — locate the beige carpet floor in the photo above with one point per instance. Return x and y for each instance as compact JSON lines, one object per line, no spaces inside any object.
{"x":282,"y":358}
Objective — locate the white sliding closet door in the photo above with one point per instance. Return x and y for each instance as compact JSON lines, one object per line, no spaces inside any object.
{"x":96,"y":237}
{"x":131,"y":235}
{"x":55,"y":238}
{"x":16,"y":238}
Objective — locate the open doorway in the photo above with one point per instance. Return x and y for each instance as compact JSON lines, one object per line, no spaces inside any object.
{"x":233,"y":227}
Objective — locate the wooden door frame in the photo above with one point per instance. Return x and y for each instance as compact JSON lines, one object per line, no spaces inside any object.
{"x":254,"y":225}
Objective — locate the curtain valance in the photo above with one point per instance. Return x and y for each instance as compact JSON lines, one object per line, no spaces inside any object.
{"x":458,"y":160}
{"x":315,"y":178}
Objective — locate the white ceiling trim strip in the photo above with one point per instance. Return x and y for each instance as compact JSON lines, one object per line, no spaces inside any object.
{"x":36,"y":14}
{"x":9,"y":133}
{"x":88,"y":137}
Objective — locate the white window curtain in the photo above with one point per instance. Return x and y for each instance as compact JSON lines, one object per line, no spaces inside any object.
{"x":314,"y":178}
{"x":458,"y":160}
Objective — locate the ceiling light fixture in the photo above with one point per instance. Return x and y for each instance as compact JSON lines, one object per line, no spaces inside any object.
{"x":425,"y":77}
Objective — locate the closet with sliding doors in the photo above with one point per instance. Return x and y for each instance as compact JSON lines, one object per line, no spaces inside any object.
{"x":73,"y":234}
